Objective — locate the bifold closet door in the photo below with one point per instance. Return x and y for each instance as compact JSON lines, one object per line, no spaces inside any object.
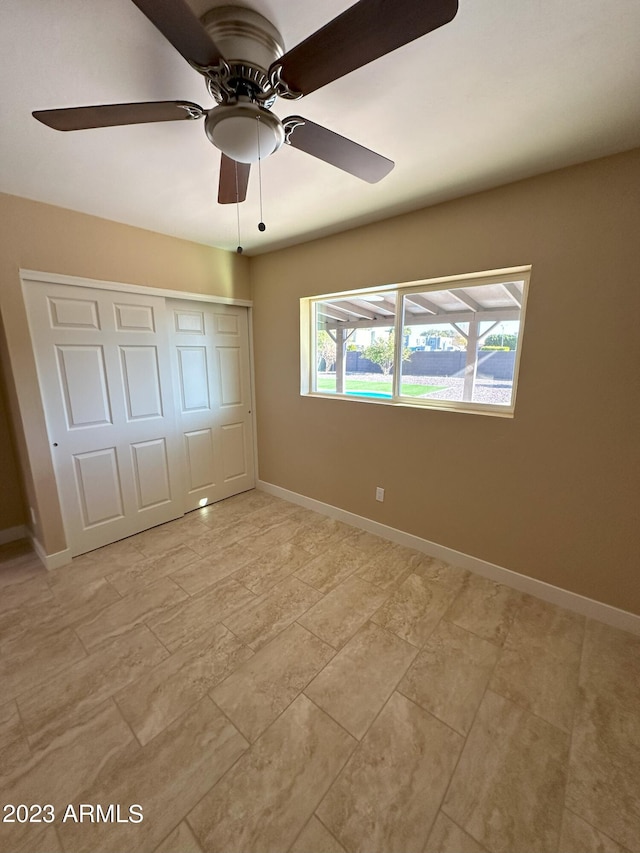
{"x":104,"y":366}
{"x":212,"y":379}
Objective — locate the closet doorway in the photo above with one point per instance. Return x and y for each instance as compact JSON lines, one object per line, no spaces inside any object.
{"x":147,"y":402}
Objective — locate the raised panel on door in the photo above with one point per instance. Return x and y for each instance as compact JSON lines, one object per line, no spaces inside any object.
{"x":194,"y":379}
{"x":83,"y":386}
{"x":99,"y":488}
{"x":234,"y":451}
{"x":151,"y":471}
{"x":201,"y":469}
{"x":230,"y":372}
{"x":104,"y":367}
{"x":212,"y":381}
{"x":141,"y":382}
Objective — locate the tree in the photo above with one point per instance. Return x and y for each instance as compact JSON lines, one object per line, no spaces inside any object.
{"x":382,"y":352}
{"x":500,"y":340}
{"x":325,"y":349}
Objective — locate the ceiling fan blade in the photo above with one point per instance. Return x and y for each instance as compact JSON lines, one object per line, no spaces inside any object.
{"x":182,"y":29}
{"x":234,"y":179}
{"x":337,"y":150}
{"x":364,"y":32}
{"x":110,"y":115}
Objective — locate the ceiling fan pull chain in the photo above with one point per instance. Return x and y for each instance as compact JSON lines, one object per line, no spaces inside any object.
{"x":239,"y":249}
{"x":261,"y":225}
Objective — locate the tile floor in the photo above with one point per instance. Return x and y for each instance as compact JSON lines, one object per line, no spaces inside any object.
{"x":261,"y":678}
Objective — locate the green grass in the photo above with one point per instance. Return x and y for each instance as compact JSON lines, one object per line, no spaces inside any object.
{"x":377,"y":387}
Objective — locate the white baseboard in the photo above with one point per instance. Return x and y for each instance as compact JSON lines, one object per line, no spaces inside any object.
{"x":12,"y":534}
{"x":523,"y":583}
{"x":50,"y":561}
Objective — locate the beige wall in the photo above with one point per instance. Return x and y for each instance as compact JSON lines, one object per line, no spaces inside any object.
{"x":552,"y":493}
{"x":54,"y":240}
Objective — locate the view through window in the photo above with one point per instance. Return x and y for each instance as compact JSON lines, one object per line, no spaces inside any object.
{"x":452,"y":345}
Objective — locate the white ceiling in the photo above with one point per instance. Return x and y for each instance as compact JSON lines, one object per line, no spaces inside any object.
{"x":509,"y":89}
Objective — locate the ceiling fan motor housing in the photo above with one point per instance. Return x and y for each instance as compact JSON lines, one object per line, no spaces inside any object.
{"x":242,"y":126}
{"x":250,"y":44}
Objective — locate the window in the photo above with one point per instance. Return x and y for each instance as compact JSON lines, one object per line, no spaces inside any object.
{"x":448,"y":343}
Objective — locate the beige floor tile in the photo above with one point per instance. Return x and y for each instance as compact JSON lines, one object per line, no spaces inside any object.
{"x":259,"y":690}
{"x":14,"y":755}
{"x":508,"y":786}
{"x":37,"y":659}
{"x":538,"y":668}
{"x":320,"y":535}
{"x":389,"y":565}
{"x":447,"y":837}
{"x":181,"y":840}
{"x":387,"y":796}
{"x":265,"y":800}
{"x":316,"y":838}
{"x":91,"y":567}
{"x":604,"y":777}
{"x":354,"y":686}
{"x":34,"y":590}
{"x":80,"y":599}
{"x":58,"y":773}
{"x":611,"y":663}
{"x":577,"y":836}
{"x":11,"y":728}
{"x":261,"y":621}
{"x":507,"y":793}
{"x":438,"y":571}
{"x":159,"y":540}
{"x":332,"y":567}
{"x":18,"y":563}
{"x":144,"y":572}
{"x":221,"y":537}
{"x":449,"y":676}
{"x":218,"y":565}
{"x":70,"y":606}
{"x":414,"y":609}
{"x":275,"y":565}
{"x":271,"y":514}
{"x":338,"y":616}
{"x":129,"y":612}
{"x":264,"y":539}
{"x":235,"y":509}
{"x":162,"y":694}
{"x":167,"y":778}
{"x":195,"y":615}
{"x":367,"y":543}
{"x":14,"y":748}
{"x":485,"y":608}
{"x":40,"y":839}
{"x":49,"y":709}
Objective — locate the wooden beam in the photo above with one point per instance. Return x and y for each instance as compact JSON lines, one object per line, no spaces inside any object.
{"x":513,"y":291}
{"x":352,"y":308}
{"x":486,"y":314}
{"x":465,"y":299}
{"x":330,"y":311}
{"x":423,"y":302}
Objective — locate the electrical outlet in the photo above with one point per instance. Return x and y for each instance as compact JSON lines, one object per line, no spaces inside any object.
{"x":379,"y":493}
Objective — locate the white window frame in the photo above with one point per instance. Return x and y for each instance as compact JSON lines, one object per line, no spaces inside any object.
{"x":308,"y":330}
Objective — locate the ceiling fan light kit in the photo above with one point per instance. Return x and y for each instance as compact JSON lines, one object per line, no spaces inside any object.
{"x":242,"y":58}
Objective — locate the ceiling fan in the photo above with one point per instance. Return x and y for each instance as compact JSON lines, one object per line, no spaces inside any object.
{"x":241,"y":56}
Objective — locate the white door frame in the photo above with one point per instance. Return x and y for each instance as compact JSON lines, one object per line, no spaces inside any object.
{"x":38,"y":277}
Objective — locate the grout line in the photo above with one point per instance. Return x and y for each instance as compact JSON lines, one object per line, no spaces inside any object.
{"x":464,"y":745}
{"x":325,"y":826}
{"x":573,"y":721}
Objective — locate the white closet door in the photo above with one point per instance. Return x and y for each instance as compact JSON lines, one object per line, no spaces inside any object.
{"x":212,"y":378}
{"x":103,"y":361}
